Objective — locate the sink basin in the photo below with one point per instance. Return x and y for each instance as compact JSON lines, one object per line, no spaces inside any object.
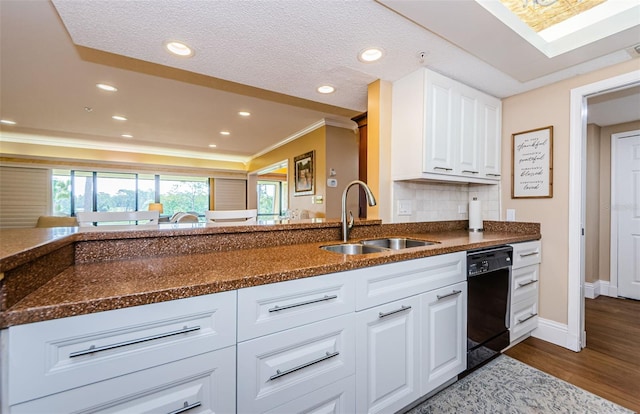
{"x":353,"y":248}
{"x":396,"y":243}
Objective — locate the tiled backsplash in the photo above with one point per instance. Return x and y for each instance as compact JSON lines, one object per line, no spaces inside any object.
{"x":431,"y":201}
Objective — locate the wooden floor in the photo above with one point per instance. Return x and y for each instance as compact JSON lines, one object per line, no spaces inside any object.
{"x":610,"y":364}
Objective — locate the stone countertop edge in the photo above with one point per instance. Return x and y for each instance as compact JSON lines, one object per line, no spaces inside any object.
{"x":100,"y":286}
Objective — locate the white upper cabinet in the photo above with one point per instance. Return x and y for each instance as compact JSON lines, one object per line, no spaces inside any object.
{"x":444,"y":130}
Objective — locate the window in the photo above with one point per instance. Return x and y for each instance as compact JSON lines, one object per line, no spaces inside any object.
{"x":75,"y":191}
{"x":272,"y":198}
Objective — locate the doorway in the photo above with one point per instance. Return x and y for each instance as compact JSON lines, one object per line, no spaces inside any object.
{"x":576,"y":336}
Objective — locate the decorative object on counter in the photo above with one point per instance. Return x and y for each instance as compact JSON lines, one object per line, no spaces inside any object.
{"x":304,"y":169}
{"x":532,"y":164}
{"x":156,"y":207}
{"x":507,"y":385}
{"x":475,"y":215}
{"x":182,"y":217}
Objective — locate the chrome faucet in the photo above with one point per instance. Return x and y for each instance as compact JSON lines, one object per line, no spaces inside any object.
{"x":346,"y":226}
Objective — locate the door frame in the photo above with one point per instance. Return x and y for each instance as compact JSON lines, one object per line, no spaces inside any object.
{"x":613,"y":253}
{"x":576,"y":337}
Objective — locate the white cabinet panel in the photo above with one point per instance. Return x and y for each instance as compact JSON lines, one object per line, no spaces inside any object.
{"x":277,"y":368}
{"x":444,"y":335}
{"x":203,"y":383}
{"x":386,"y":283}
{"x":275,"y":307}
{"x":525,"y":277}
{"x":60,"y":354}
{"x":527,"y":253}
{"x":524,"y":283}
{"x":524,"y":317}
{"x":337,"y":398}
{"x":388,"y":364}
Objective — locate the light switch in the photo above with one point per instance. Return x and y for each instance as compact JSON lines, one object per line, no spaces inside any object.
{"x":404,"y":207}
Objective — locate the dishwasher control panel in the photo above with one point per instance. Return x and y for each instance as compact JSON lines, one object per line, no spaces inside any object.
{"x":487,"y":260}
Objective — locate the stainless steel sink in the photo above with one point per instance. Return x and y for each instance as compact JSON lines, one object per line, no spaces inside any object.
{"x":396,"y":243}
{"x":353,"y":248}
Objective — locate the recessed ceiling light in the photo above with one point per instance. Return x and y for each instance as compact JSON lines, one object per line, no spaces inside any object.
{"x":7,"y":122}
{"x":370,"y":54}
{"x":212,"y":145}
{"x":179,"y":48}
{"x":126,"y":136}
{"x":105,"y":87}
{"x":225,"y":133}
{"x":119,"y":118}
{"x":326,"y":89}
{"x":244,"y":113}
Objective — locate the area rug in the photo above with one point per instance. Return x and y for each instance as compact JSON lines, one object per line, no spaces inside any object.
{"x":506,"y":385}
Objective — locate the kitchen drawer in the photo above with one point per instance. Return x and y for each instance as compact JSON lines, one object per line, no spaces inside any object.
{"x":337,"y":398}
{"x":281,"y":367}
{"x":201,"y":382}
{"x":57,"y":355}
{"x":275,"y":307}
{"x":526,"y":254}
{"x":524,"y":283}
{"x":386,"y":283}
{"x":524,"y":317}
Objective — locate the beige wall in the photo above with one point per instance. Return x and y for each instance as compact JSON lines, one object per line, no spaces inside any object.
{"x":342,"y":156}
{"x":549,"y":105}
{"x":592,"y":207}
{"x":379,"y":149}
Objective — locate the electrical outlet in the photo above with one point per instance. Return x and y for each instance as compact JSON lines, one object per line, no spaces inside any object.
{"x":511,"y":214}
{"x":404,"y":207}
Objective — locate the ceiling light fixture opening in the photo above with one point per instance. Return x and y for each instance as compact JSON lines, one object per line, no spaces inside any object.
{"x":225,"y":133}
{"x":106,"y":87}
{"x":326,"y":89}
{"x":212,"y":145}
{"x":370,"y":54}
{"x":126,"y":136}
{"x":7,"y":122}
{"x":244,"y":113}
{"x":179,"y":49}
{"x":119,"y":118}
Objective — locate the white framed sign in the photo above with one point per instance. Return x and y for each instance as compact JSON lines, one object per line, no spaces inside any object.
{"x":532,"y":164}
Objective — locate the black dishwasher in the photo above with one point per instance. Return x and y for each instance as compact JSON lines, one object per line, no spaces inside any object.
{"x":488,"y":280}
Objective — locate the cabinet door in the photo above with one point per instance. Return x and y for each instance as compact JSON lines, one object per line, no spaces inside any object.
{"x":490,"y":129}
{"x":444,"y":335}
{"x":387,"y":364}
{"x":440,"y":135}
{"x":468,"y":160}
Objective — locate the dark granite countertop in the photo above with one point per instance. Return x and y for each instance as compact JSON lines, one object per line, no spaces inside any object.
{"x":107,"y":270}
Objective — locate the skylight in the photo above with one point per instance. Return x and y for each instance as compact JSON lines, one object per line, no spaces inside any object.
{"x":558,"y":26}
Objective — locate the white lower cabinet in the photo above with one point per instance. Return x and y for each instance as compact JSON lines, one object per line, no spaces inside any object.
{"x":277,"y":368}
{"x":444,"y":335}
{"x":198,"y":384}
{"x":336,"y":398}
{"x":388,"y":360}
{"x":525,"y":277}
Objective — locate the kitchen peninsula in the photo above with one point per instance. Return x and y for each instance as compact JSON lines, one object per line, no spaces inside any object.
{"x":253,"y":318}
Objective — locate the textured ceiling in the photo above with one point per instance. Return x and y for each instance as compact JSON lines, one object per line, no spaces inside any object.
{"x":267,"y":57}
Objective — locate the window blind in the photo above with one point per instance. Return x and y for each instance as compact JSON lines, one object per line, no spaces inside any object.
{"x":25,"y":194}
{"x":230,"y":194}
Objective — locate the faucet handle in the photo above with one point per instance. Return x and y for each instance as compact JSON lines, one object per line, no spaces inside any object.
{"x":350,"y":219}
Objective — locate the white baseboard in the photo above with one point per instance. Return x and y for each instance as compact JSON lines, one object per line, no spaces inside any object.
{"x":599,"y":287}
{"x":556,"y":333}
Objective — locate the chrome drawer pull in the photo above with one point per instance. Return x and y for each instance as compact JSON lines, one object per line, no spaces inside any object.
{"x":279,"y":373}
{"x":455,"y":292}
{"x":93,"y":349}
{"x":527,"y":318}
{"x":469,"y":171}
{"x":528,"y":254}
{"x":295,"y":305}
{"x":402,"y":309}
{"x":526,"y":283}
{"x":493,"y":175}
{"x":186,"y":407}
{"x":443,"y":168}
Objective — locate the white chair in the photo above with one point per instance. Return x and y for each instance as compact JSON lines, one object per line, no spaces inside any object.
{"x":93,"y":218}
{"x":225,"y":216}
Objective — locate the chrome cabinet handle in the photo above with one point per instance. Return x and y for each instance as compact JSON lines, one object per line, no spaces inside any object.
{"x":493,"y":175}
{"x":527,"y":318}
{"x":402,"y":309}
{"x":469,"y":171}
{"x":455,"y":292}
{"x":308,"y":302}
{"x":443,"y":168}
{"x":186,"y":407}
{"x":93,"y":349}
{"x":528,"y":254}
{"x":521,"y":284}
{"x":279,"y":373}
